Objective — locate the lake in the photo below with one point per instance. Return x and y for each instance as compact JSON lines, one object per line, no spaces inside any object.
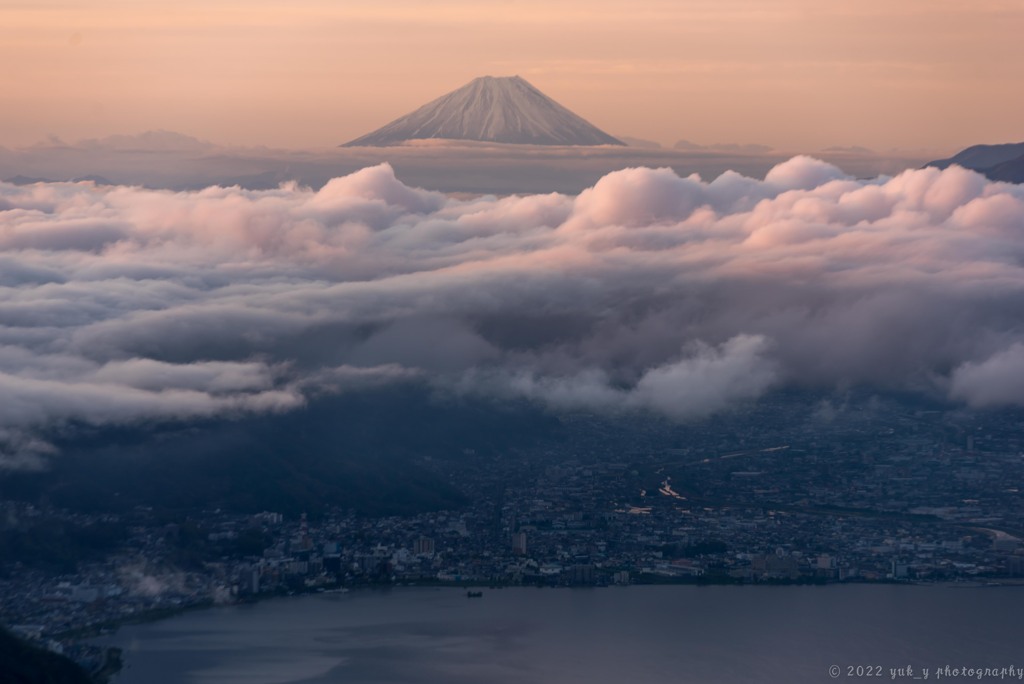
{"x":644,"y":634}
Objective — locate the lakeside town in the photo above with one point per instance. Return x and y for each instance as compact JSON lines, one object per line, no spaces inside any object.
{"x":874,"y":491}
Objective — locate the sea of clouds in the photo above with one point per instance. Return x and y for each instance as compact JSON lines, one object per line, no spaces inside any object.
{"x":645,"y":292}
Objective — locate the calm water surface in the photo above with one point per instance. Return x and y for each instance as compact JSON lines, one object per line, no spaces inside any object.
{"x":677,"y":635}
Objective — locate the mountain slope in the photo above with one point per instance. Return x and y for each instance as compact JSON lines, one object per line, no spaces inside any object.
{"x":981,"y":157}
{"x":489,"y":109}
{"x":364,"y":451}
{"x":22,"y":663}
{"x":1011,"y":171}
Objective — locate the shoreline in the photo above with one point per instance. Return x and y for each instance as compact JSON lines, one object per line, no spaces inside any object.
{"x":159,"y":614}
{"x":111,"y":628}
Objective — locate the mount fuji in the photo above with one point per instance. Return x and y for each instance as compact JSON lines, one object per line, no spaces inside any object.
{"x":490,"y":109}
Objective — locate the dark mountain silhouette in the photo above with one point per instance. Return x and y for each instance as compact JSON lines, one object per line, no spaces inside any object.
{"x":361,"y":451}
{"x":1011,"y":171}
{"x":1003,"y":162}
{"x":23,"y":663}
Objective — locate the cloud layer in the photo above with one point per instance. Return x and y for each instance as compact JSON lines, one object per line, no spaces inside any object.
{"x":647,"y":291}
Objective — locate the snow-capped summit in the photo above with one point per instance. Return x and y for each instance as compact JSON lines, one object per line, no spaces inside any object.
{"x":502,"y":110}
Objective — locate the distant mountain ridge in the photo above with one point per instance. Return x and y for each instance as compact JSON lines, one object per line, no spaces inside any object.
{"x":729,"y":148}
{"x":1004,"y":162}
{"x":148,"y":141}
{"x":489,"y":109}
{"x":30,"y":180}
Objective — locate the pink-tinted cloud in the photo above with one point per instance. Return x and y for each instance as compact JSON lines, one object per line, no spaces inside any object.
{"x":646,"y":292}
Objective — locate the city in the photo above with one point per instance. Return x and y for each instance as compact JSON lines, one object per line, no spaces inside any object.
{"x":870,"y":490}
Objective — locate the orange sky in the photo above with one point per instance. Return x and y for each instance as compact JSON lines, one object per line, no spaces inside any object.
{"x":795,"y":74}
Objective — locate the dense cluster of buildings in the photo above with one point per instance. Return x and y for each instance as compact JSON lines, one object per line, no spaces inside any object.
{"x":873,"y":491}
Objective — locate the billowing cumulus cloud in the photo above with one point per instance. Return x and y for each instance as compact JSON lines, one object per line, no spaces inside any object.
{"x":698,"y":384}
{"x":646,"y":292}
{"x":997,"y":380}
